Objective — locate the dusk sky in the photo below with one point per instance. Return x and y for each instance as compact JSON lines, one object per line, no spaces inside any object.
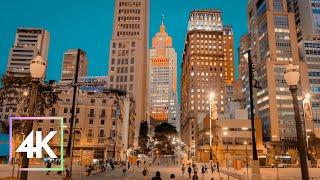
{"x":87,"y":24}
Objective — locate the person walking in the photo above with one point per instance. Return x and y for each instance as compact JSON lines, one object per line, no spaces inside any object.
{"x":128,"y":165}
{"x":157,"y":176}
{"x":124,"y":170}
{"x":48,"y":166}
{"x":195,"y":176}
{"x":202,"y":171}
{"x":212,"y":169}
{"x":172,"y":176}
{"x":145,"y":173}
{"x":112,"y":168}
{"x":183,"y":169}
{"x":189,"y":171}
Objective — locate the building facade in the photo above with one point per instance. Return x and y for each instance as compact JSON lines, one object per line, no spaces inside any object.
{"x":273,"y":44}
{"x":162,"y":73}
{"x":207,"y":67}
{"x":128,"y":53}
{"x":101,"y":124}
{"x":29,"y":42}
{"x":307,"y":20}
{"x":70,"y":62}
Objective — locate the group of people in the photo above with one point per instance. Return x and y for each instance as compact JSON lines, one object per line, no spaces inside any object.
{"x":194,"y":168}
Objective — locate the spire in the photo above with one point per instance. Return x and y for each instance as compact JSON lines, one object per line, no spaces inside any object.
{"x":162,"y":27}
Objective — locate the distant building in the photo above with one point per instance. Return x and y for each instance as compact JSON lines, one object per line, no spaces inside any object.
{"x":128,"y":54}
{"x":29,"y":42}
{"x":162,"y":75}
{"x":70,"y":62}
{"x":208,"y":66}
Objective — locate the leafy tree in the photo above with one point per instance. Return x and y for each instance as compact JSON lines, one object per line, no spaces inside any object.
{"x":314,"y":147}
{"x":165,"y":129}
{"x":143,"y":136}
{"x":15,"y":94}
{"x":162,"y":132}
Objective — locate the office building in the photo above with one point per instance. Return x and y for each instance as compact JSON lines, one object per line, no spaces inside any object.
{"x":29,"y":43}
{"x":70,"y":62}
{"x":162,"y":75}
{"x":207,"y":67}
{"x":128,"y":53}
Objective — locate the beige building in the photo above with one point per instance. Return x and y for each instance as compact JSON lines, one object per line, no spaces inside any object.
{"x":231,"y":136}
{"x":207,"y":67}
{"x":273,"y":40}
{"x":162,"y":73}
{"x":102,"y":123}
{"x":29,"y":42}
{"x":128,"y":53}
{"x":70,"y":62}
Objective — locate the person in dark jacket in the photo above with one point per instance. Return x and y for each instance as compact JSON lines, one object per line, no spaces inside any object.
{"x":189,"y":171}
{"x":157,"y":177}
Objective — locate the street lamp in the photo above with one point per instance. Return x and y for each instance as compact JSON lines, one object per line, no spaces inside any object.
{"x":213,"y":114}
{"x":227,"y":156}
{"x":37,"y":69}
{"x":255,"y":161}
{"x":291,"y":75}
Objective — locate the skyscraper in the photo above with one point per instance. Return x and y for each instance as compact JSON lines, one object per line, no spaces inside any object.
{"x":307,"y":20}
{"x":274,"y":44}
{"x":207,"y":67}
{"x":29,"y":42}
{"x":128,"y":53}
{"x":70,"y":62}
{"x":163,"y":100}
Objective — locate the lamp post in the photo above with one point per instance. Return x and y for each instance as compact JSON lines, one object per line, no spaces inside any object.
{"x":246,"y":143}
{"x":227,"y":156}
{"x":291,"y":75}
{"x":255,"y":161}
{"x":213,"y":114}
{"x":37,"y":68}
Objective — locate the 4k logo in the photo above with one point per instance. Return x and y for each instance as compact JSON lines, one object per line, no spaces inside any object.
{"x":28,"y":147}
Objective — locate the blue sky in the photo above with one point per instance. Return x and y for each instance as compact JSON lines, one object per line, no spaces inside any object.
{"x":87,"y":24}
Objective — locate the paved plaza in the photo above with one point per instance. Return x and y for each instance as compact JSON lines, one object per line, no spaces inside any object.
{"x":135,"y":173}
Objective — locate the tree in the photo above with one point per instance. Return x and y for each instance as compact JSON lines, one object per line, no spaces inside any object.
{"x":14,"y":94}
{"x":314,"y":147}
{"x":165,"y":129}
{"x":162,"y":131}
{"x":143,"y":136}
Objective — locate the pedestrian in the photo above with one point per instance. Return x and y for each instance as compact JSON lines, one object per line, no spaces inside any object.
{"x":212,"y":169}
{"x":172,"y":176}
{"x":66,"y":173}
{"x":189,"y":171}
{"x":128,"y":165}
{"x":157,"y":176}
{"x":48,"y":166}
{"x":183,"y":169}
{"x":195,"y":176}
{"x":138,"y":162}
{"x":145,"y":173}
{"x":112,"y":168}
{"x":206,"y":168}
{"x":202,"y":170}
{"x":124,"y":170}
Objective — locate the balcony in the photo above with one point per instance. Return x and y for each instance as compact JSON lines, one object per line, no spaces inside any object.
{"x":91,"y":115}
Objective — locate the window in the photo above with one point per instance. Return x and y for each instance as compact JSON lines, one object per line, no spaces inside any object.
{"x":78,"y":110}
{"x":132,"y":60}
{"x":64,"y":120}
{"x":51,"y":121}
{"x":77,"y":120}
{"x":51,"y":129}
{"x":90,"y":133}
{"x":90,"y":121}
{"x":104,"y":101}
{"x":65,"y":110}
{"x":102,"y":122}
{"x":101,"y":133}
{"x":92,"y":101}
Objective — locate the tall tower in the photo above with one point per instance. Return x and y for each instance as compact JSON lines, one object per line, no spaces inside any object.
{"x":163,"y":100}
{"x":307,"y":19}
{"x":128,"y":54}
{"x":274,"y":44}
{"x":207,"y":67}
{"x":29,"y":42}
{"x":70,"y":62}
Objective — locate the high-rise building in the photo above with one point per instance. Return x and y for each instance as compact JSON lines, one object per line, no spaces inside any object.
{"x":29,"y":42}
{"x":128,"y":53}
{"x":162,"y":74}
{"x":307,"y":17}
{"x":207,"y":67}
{"x":273,"y":44}
{"x":307,"y":20}
{"x":70,"y":62}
